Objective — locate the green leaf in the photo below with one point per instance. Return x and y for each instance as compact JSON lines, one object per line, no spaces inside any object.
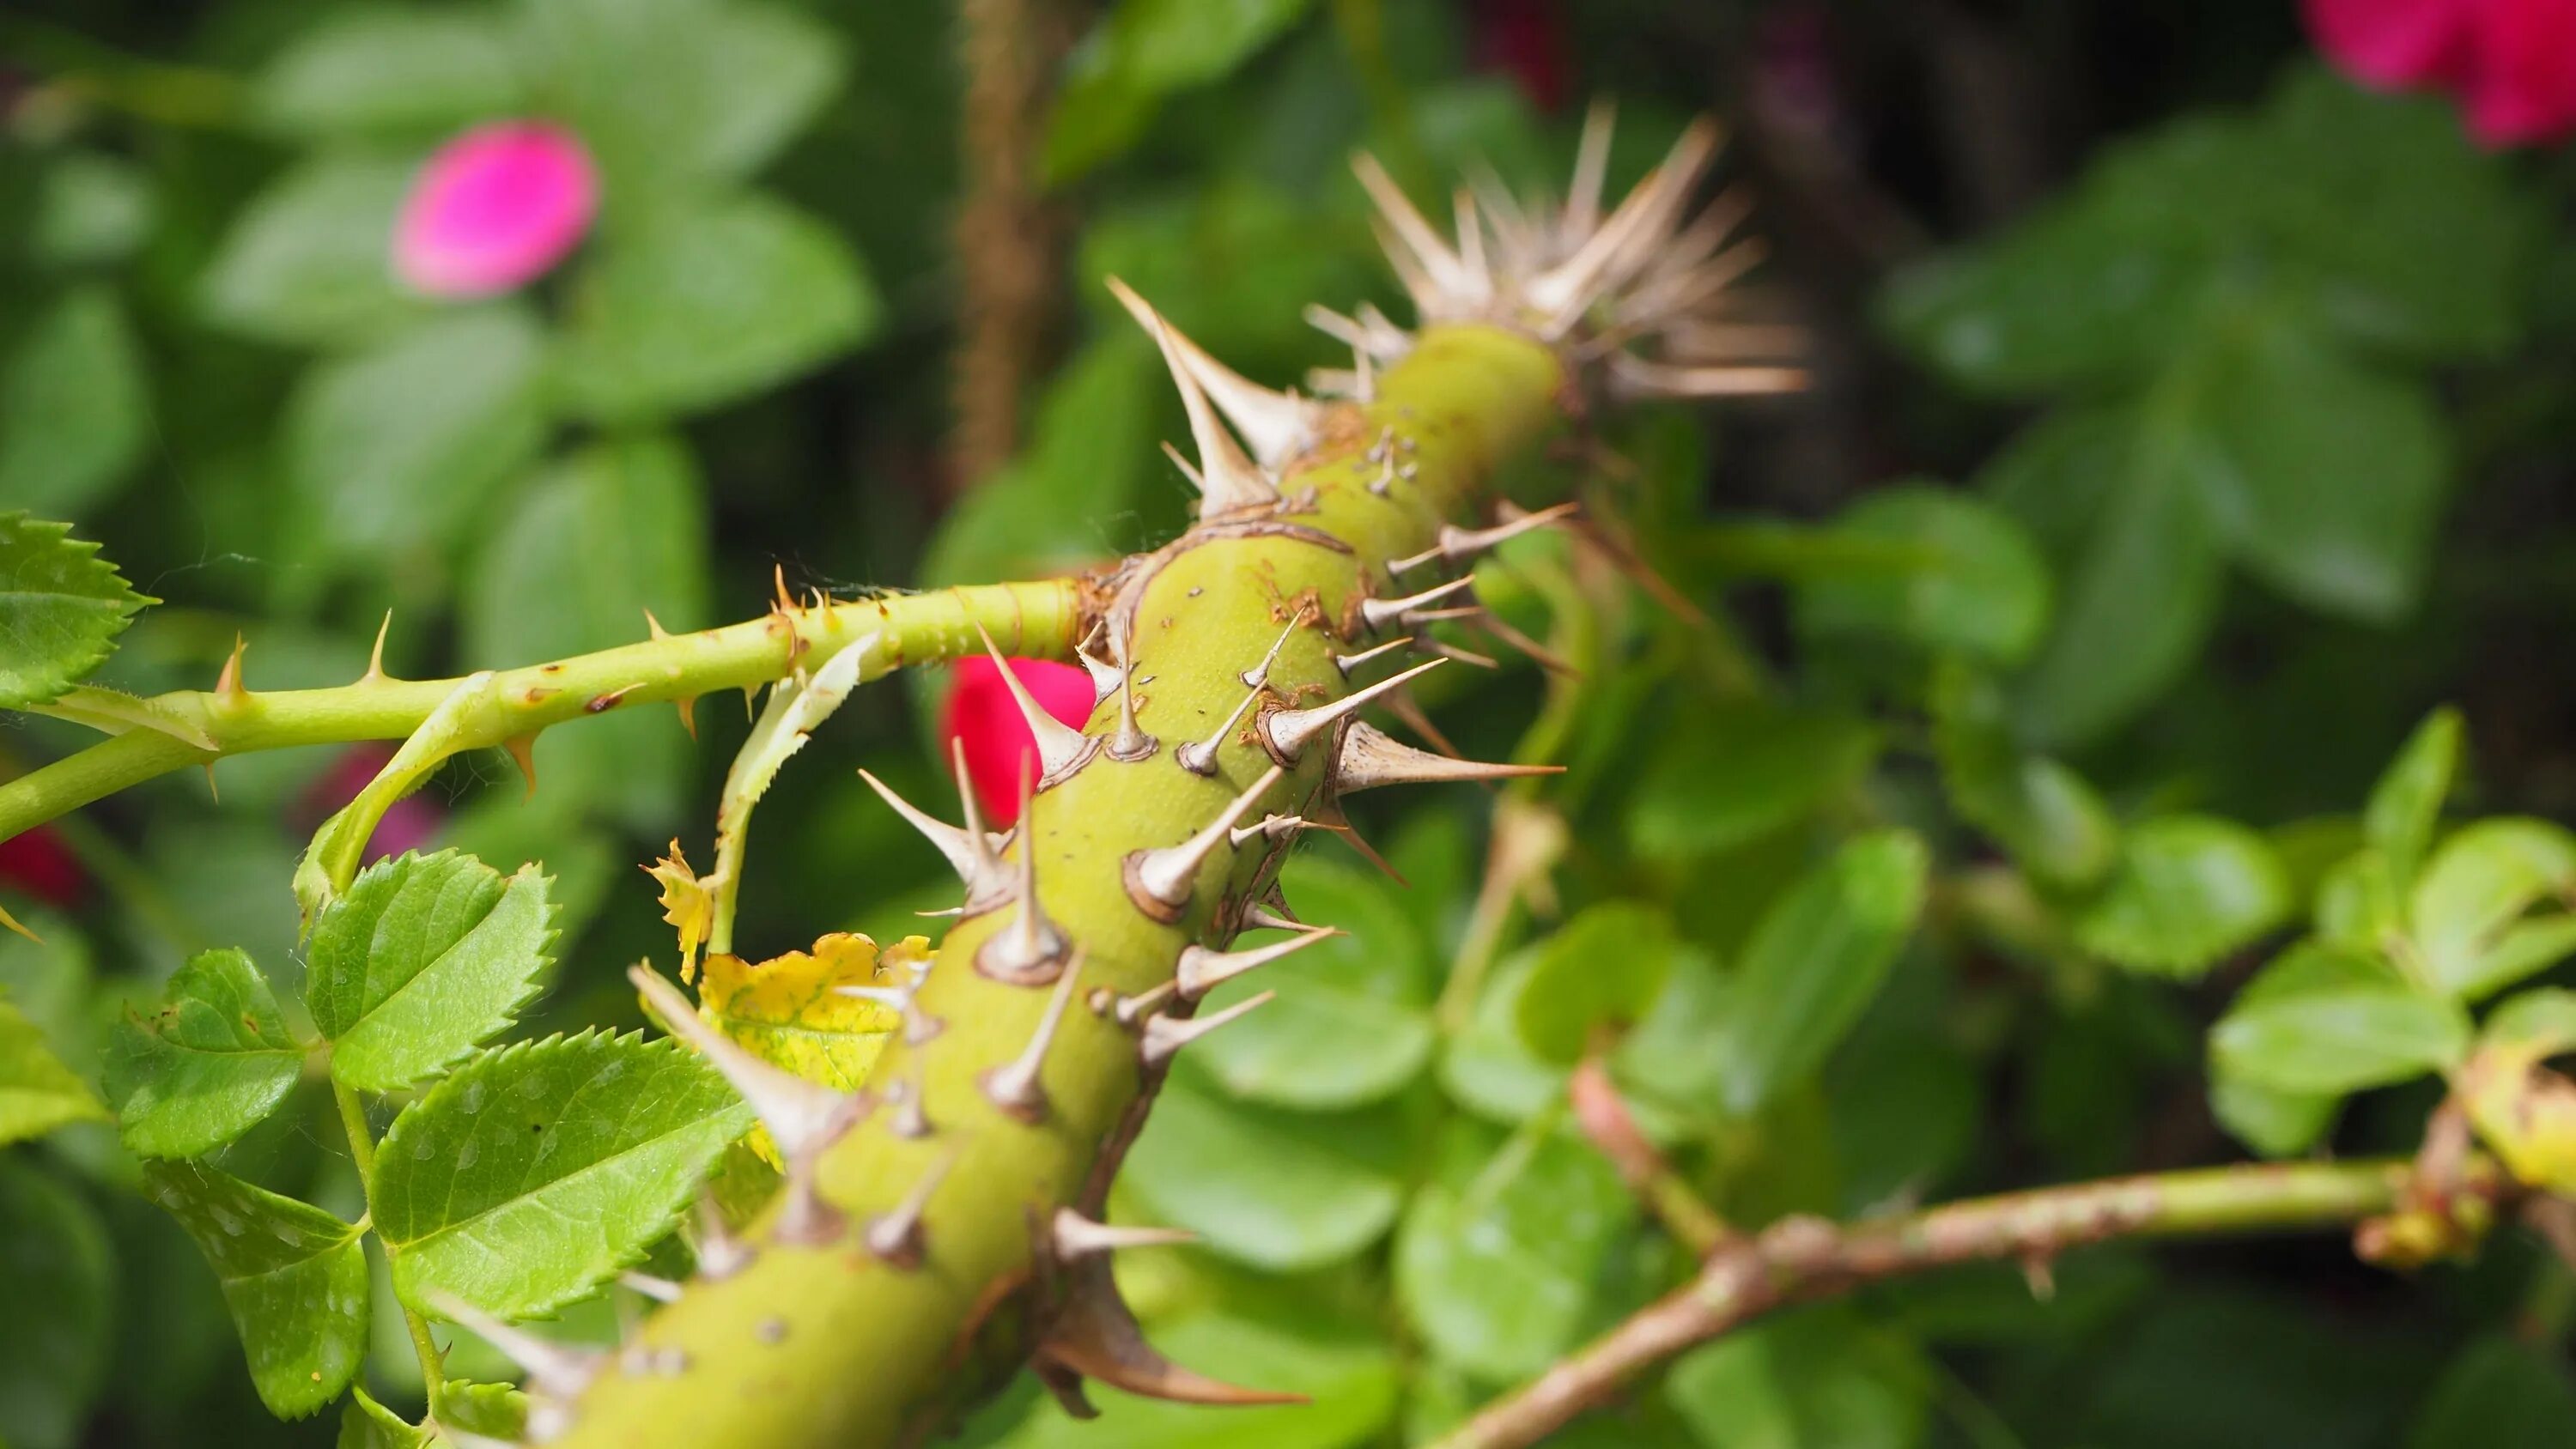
{"x":1747,"y":768}
{"x":378,"y":69}
{"x":2532,"y":1024}
{"x":534,"y":1173}
{"x":2047,"y":816}
{"x":495,"y":1411}
{"x":61,"y":608}
{"x":1604,"y":969}
{"x":2358,"y":904}
{"x":1976,"y":583}
{"x":1815,"y":1378}
{"x":395,"y":448}
{"x":2139,"y":570}
{"x":2319,"y":1020}
{"x":2473,"y":890}
{"x":424,"y":958}
{"x":1279,"y":1190}
{"x":1347,"y":1373}
{"x":294,"y":1276}
{"x":1094,"y":425}
{"x":309,"y":260}
{"x":2321,"y":476}
{"x":37,"y":1092}
{"x":2188,"y":890}
{"x":1487,"y":1068}
{"x":2497,"y":1393}
{"x":1352,"y":1022}
{"x":1143,"y":51}
{"x":91,"y":210}
{"x":75,"y":405}
{"x":206,"y":1067}
{"x":2406,"y":804}
{"x":2273,"y":1122}
{"x":640,"y":508}
{"x":698,"y":306}
{"x":674,"y":94}
{"x":1815,"y":961}
{"x":366,"y":1424}
{"x":58,"y":1278}
{"x":1497,"y":1261}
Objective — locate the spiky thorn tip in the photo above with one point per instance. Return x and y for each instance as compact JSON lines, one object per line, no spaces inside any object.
{"x":1276,"y":424}
{"x":1368,"y":758}
{"x":1029,"y":950}
{"x":1203,"y":970}
{"x":1159,"y":880}
{"x":1077,"y":1237}
{"x":1061,"y":748}
{"x":802,"y":1117}
{"x":1014,"y":1088}
{"x":1457,"y":545}
{"x":967,"y":850}
{"x":1288,"y":731}
{"x":1376,"y":614}
{"x":558,"y":1371}
{"x":895,"y":1236}
{"x":1166,"y":1035}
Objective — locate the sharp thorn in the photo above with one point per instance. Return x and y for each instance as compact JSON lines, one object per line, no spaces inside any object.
{"x":229,"y":689}
{"x":1370,"y":758}
{"x":660,"y":1290}
{"x":1276,"y":424}
{"x":376,"y":656}
{"x":1287,"y":731}
{"x":1548,"y":659}
{"x":1463,"y":656}
{"x":1014,"y":1088}
{"x":1199,"y":757}
{"x":1458,"y":544}
{"x":1262,"y":918}
{"x":1259,"y":674}
{"x":1227,"y":479}
{"x":1591,"y":166}
{"x":1403,"y":706}
{"x":1345,"y":663}
{"x":1077,"y":1237}
{"x":895,"y":1237}
{"x":1130,"y":743}
{"x":1130,"y":1010}
{"x":1160,"y":880}
{"x":1166,"y":1035}
{"x":556,"y":1370}
{"x":1274,"y":826}
{"x":720,"y":1254}
{"x":1329,"y":812}
{"x":523,"y":752}
{"x":1029,"y":950}
{"x":1203,"y":970}
{"x":1105,"y":676}
{"x":1379,"y":613}
{"x":655,"y":626}
{"x":1091,"y":1332}
{"x":966,"y":851}
{"x":802,"y":1117}
{"x":910,"y":1101}
{"x":1429,"y":254}
{"x":1061,"y":748}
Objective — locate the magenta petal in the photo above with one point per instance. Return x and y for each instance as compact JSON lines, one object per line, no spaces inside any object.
{"x":2395,"y":42}
{"x":999,"y":747}
{"x":494,"y":209}
{"x":2524,"y":88}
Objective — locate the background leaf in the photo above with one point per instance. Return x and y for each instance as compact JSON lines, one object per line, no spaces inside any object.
{"x":294,"y":1276}
{"x":403,"y":70}
{"x":1814,"y":962}
{"x":1976,"y":582}
{"x":2186,"y":891}
{"x":75,"y":413}
{"x":56,"y":1275}
{"x":37,"y":1092}
{"x":308,"y":261}
{"x":1277,"y":1190}
{"x":1604,"y":969}
{"x":2323,"y":1021}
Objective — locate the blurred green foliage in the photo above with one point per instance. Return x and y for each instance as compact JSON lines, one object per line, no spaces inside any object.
{"x":2058,"y":821}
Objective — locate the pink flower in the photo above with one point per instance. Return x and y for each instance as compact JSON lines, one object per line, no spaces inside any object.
{"x":2510,"y":63}
{"x":495,"y":208}
{"x":999,"y":746}
{"x":37,"y":862}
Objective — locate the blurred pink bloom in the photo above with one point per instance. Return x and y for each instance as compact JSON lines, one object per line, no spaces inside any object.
{"x":410,"y":823}
{"x":495,"y":208}
{"x":998,"y":743}
{"x":2510,"y":63}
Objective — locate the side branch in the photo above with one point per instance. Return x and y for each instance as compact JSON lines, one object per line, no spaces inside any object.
{"x":1043,"y":619}
{"x":1802,"y":1259}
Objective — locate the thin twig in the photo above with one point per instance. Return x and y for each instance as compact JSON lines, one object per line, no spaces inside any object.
{"x":1801,"y":1259}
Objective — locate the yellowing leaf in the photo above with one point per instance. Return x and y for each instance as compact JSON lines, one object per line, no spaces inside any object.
{"x":687,"y":903}
{"x":790,"y":1012}
{"x":2527,"y":1114}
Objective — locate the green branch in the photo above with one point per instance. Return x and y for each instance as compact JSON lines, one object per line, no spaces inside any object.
{"x":1042,"y":619}
{"x":1799,"y":1260}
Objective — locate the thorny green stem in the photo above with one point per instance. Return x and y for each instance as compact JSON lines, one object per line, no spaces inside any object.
{"x":362,"y":1150}
{"x":821,"y":1341}
{"x":1042,"y":619}
{"x":1799,"y":1260}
